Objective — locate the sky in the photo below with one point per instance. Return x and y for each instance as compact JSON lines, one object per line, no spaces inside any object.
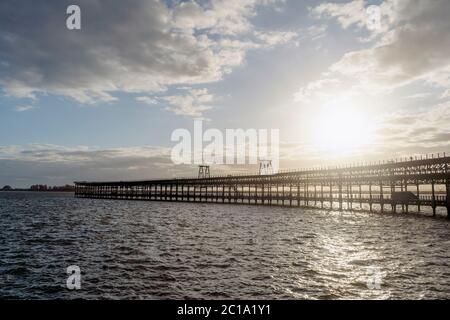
{"x":101,"y":103}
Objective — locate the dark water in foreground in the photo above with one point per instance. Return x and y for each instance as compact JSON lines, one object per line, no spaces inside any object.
{"x":158,"y":250}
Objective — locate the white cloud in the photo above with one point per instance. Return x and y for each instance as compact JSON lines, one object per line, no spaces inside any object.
{"x":347,"y":14}
{"x":414,"y":43}
{"x":315,"y":89}
{"x":23,"y":108}
{"x":420,"y":95}
{"x":56,"y":153}
{"x":316,"y":31}
{"x":272,"y":38}
{"x":58,"y":165}
{"x":375,"y":19}
{"x":137,"y":47}
{"x":222,"y":17}
{"x":423,"y":131}
{"x":147,"y":100}
{"x":446,"y":94}
{"x":192,"y":104}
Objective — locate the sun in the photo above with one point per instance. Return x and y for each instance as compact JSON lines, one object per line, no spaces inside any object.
{"x":342,"y":128}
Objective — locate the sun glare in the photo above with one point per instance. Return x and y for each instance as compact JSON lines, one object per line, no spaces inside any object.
{"x":341,"y":129}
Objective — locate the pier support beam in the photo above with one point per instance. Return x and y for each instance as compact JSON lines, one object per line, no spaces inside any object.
{"x":433,"y":199}
{"x":290,"y":195}
{"x":418,"y":195}
{"x":321,"y":195}
{"x":447,"y":197}
{"x":381,"y":197}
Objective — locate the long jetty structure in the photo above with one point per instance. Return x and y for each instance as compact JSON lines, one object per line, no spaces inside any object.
{"x":381,"y":187}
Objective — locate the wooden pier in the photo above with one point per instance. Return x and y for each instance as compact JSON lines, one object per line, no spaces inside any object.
{"x":390,"y":185}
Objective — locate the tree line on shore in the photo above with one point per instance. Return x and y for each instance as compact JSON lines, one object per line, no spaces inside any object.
{"x":41,"y":187}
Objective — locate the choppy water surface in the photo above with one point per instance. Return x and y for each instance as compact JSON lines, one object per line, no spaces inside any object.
{"x":158,"y":250}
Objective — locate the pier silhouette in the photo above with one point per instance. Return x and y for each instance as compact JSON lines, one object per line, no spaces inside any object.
{"x":386,"y":185}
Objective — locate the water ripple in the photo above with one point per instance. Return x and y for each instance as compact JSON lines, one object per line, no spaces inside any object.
{"x":151,"y":250}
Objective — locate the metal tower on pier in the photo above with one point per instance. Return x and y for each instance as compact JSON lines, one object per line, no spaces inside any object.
{"x":265,"y":167}
{"x":203,"y":172}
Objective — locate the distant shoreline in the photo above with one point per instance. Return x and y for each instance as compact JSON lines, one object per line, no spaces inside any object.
{"x":36,"y":191}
